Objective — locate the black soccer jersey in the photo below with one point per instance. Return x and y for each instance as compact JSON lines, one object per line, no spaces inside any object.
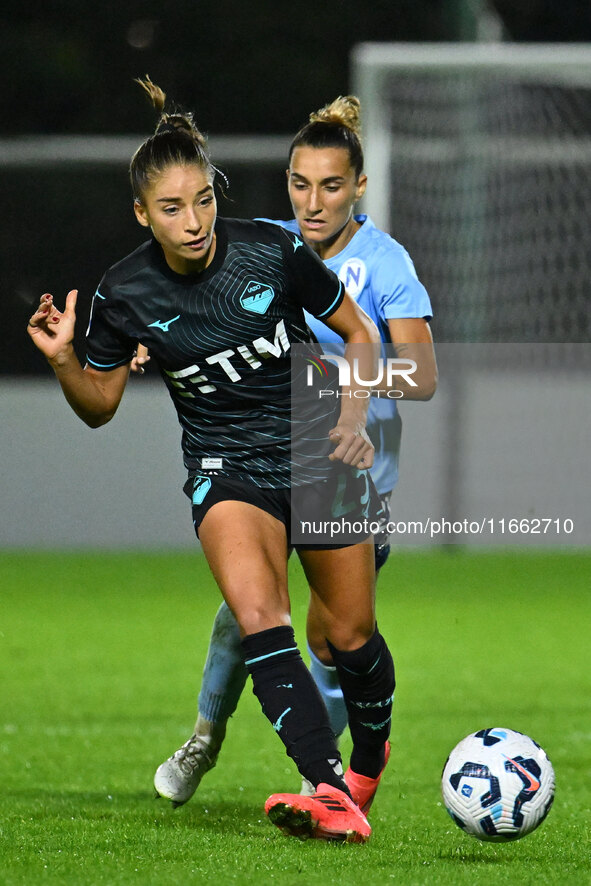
{"x":222,"y":340}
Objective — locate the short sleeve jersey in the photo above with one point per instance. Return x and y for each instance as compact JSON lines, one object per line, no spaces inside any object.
{"x":378,"y":273}
{"x":221,"y":339}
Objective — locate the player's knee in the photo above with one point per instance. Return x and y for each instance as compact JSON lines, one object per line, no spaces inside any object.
{"x":320,"y":650}
{"x":261,"y":618}
{"x":347,"y":638}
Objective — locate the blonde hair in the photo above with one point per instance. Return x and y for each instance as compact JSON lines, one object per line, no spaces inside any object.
{"x":336,"y":125}
{"x":176,"y":140}
{"x":345,"y":110}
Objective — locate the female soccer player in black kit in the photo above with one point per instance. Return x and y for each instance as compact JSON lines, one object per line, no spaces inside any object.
{"x":219,"y":302}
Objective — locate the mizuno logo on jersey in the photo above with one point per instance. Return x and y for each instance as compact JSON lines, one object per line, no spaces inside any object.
{"x":163,"y":324}
{"x":230,"y":361}
{"x":297,"y":242}
{"x":257,"y":297}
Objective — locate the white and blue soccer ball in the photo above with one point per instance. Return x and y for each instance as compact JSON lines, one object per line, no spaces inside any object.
{"x":498,"y":785}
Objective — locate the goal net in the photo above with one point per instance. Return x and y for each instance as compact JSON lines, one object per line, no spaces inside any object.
{"x":479,"y":162}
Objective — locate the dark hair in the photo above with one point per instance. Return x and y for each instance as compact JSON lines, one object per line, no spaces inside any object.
{"x":177,"y":140}
{"x":336,"y":125}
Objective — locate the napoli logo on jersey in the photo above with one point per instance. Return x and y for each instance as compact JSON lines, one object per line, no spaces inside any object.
{"x":353,"y":274}
{"x":257,"y":297}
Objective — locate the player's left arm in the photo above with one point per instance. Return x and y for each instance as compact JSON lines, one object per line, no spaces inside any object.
{"x":413,"y":341}
{"x":362,"y":341}
{"x":403,"y":303}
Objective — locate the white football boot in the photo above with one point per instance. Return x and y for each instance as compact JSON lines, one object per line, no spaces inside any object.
{"x":178,"y":778}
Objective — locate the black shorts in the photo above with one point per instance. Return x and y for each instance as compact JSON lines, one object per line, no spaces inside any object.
{"x":334,"y":513}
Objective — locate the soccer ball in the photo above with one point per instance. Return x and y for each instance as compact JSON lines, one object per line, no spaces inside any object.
{"x":498,"y":785}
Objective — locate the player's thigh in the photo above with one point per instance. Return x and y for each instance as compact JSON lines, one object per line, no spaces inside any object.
{"x":246,"y":549}
{"x":342,"y":583}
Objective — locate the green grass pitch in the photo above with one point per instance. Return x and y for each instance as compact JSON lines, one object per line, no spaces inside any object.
{"x":100,"y":661}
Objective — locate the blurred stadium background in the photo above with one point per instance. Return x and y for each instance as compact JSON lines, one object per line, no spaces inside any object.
{"x":479,"y":160}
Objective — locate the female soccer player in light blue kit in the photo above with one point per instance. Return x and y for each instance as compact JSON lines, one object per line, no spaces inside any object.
{"x":325,"y":180}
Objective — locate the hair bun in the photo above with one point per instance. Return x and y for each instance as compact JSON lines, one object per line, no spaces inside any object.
{"x":343,"y":111}
{"x":176,"y":140}
{"x":170,"y":122}
{"x":165,"y":127}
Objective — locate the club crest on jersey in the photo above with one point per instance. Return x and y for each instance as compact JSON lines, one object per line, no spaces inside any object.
{"x":353,"y":274}
{"x":257,"y":297}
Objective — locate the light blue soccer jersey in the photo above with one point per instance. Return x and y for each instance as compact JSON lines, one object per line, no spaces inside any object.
{"x":379,"y":274}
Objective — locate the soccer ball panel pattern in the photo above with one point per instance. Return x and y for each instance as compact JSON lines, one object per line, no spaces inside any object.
{"x":498,"y":784}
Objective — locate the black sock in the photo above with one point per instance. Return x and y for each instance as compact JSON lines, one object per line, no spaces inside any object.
{"x":290,"y":700}
{"x":367,"y":680}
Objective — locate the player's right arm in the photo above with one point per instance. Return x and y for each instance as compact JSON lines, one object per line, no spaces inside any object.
{"x":94,"y":396}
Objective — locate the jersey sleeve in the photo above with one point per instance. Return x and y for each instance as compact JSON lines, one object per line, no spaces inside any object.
{"x":317,"y":289}
{"x":107,"y":347}
{"x":398,"y":291}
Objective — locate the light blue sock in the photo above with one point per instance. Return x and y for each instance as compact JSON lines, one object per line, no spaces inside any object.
{"x":224,"y":674}
{"x":325,"y":677}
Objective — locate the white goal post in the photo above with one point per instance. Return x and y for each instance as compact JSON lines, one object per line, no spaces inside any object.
{"x":375,"y":67}
{"x":479,"y":160}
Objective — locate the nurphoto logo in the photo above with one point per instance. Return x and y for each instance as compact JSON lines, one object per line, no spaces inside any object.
{"x":382,"y":385}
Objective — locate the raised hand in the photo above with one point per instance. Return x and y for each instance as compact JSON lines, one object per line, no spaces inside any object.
{"x":51,"y":330}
